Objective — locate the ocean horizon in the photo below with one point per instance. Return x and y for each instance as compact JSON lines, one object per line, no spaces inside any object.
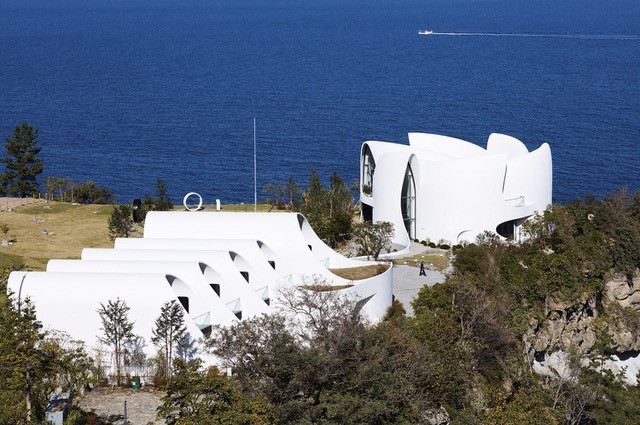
{"x":126,"y":92}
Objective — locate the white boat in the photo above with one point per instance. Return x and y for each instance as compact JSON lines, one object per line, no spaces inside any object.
{"x":425,"y":32}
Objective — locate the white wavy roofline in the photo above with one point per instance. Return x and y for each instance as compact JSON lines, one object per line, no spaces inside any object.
{"x":431,"y":147}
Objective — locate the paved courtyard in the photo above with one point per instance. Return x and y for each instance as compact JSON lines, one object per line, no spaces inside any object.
{"x":407,"y":280}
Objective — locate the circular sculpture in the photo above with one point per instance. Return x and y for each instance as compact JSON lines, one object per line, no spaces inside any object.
{"x":192,"y":207}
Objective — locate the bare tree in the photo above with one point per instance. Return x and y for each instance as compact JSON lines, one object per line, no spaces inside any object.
{"x":315,"y":309}
{"x":373,"y":237}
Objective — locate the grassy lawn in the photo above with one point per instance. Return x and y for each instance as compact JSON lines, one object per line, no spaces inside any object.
{"x":69,"y":228}
{"x":440,"y":260}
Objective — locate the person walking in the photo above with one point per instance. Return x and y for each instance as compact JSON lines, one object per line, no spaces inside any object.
{"x":422,"y":272}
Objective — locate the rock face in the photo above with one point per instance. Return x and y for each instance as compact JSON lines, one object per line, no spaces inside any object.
{"x":569,"y":327}
{"x":566,"y":326}
{"x":620,"y":291}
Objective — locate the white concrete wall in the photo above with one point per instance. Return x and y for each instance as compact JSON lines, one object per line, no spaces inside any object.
{"x":233,"y":285}
{"x":204,"y":303}
{"x":69,"y":301}
{"x":462,"y":189}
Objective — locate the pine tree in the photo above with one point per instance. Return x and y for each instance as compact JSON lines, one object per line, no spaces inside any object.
{"x":22,"y":166}
{"x":169,"y":330}
{"x":315,"y":205}
{"x":121,"y":223}
{"x":340,"y":205}
{"x":117,"y":330}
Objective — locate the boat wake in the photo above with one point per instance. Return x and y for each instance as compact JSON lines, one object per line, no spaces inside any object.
{"x":575,"y":36}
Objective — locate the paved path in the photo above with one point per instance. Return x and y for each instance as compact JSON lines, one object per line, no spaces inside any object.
{"x":407,"y":282}
{"x":108,"y":404}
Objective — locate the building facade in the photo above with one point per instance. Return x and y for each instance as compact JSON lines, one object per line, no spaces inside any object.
{"x":443,"y":189}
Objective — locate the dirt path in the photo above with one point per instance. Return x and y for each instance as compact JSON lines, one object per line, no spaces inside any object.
{"x":108,"y":405}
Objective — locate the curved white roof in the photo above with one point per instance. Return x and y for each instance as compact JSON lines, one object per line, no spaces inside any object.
{"x":69,"y":301}
{"x":461,"y":189}
{"x":205,"y":306}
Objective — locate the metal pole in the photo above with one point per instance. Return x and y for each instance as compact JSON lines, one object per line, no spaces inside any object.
{"x":125,"y":413}
{"x":255,"y":186}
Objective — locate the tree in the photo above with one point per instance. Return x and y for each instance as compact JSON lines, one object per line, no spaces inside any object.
{"x":53,"y":185}
{"x":195,"y":398}
{"x":328,"y":210}
{"x":121,"y":223}
{"x":33,"y":363}
{"x":90,"y":193}
{"x":117,"y":330}
{"x":340,"y":210}
{"x":328,"y":367}
{"x":22,"y":165}
{"x":161,"y":201}
{"x":284,"y":195}
{"x":4,"y":229}
{"x":315,"y":203}
{"x":373,"y":237}
{"x":169,"y":330}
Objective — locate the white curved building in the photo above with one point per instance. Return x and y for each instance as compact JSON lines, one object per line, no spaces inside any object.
{"x":440,"y":188}
{"x":221,"y":267}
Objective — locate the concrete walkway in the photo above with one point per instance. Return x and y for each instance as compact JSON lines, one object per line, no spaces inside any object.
{"x":407,"y":280}
{"x":407,"y":283}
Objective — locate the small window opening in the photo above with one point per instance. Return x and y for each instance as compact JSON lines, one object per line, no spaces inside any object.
{"x":216,"y":288}
{"x":185,"y":302}
{"x":273,"y":264}
{"x":245,"y":275}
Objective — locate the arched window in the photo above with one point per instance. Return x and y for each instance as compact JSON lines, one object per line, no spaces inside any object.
{"x":368,"y":168}
{"x":408,"y":202}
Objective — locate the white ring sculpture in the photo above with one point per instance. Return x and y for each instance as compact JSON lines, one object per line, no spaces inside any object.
{"x":192,"y":208}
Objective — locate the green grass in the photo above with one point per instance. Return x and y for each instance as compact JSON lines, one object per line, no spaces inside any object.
{"x":440,"y":260}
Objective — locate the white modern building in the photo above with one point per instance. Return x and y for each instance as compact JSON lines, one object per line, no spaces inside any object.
{"x":440,"y":188}
{"x":221,"y":267}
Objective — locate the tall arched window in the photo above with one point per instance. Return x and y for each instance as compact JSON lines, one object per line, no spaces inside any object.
{"x":408,"y":202}
{"x":368,"y":168}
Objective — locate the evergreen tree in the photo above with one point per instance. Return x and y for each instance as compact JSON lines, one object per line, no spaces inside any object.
{"x":22,"y":166}
{"x":195,"y":398}
{"x":121,"y":222}
{"x":32,"y":364}
{"x":117,"y":330}
{"x":328,"y":209}
{"x":315,"y":204}
{"x":169,"y":330}
{"x":340,"y":206}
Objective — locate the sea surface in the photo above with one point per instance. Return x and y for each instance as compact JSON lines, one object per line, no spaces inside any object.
{"x":125,"y":92}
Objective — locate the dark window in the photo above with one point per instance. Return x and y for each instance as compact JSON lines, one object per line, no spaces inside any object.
{"x":310,"y":247}
{"x":273,"y":264}
{"x":216,"y":288}
{"x":267,"y":301}
{"x":506,"y":229}
{"x":367,"y":212}
{"x":238,"y":315}
{"x":245,"y":275}
{"x":185,"y":302}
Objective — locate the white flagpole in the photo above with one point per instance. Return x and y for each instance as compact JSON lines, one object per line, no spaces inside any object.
{"x":255,"y":187}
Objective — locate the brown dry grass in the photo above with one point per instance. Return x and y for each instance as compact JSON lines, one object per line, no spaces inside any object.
{"x":69,"y":229}
{"x":359,"y":273}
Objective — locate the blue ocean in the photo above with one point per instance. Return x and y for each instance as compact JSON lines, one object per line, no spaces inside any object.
{"x":128,"y":91}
